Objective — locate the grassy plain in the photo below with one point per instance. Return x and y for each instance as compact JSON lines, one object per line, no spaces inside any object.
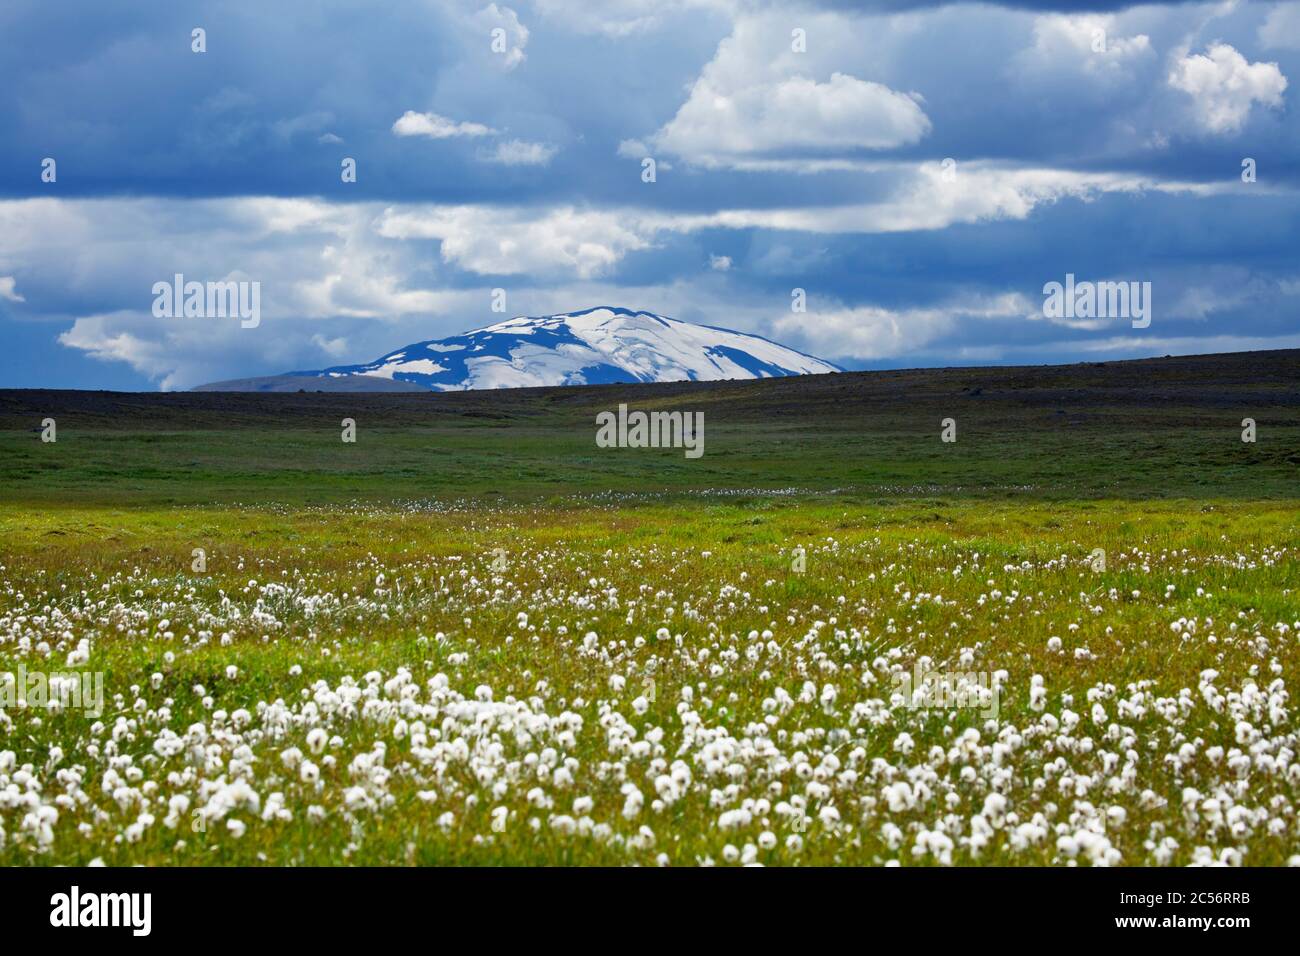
{"x":472,"y":637}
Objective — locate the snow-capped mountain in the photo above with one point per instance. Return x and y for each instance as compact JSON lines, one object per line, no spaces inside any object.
{"x":594,"y":346}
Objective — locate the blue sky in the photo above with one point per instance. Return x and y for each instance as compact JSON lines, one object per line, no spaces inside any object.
{"x":1093,"y":138}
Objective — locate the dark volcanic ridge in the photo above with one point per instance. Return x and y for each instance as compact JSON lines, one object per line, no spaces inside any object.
{"x":305,"y":383}
{"x":1230,"y":383}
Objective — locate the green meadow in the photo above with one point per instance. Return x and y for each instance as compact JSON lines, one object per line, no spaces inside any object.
{"x":472,"y":636}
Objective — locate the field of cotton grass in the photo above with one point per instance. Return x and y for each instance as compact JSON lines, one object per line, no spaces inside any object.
{"x":711,"y":682}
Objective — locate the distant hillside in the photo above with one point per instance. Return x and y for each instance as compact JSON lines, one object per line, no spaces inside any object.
{"x":1168,"y":427}
{"x":303,"y":383}
{"x":1158,"y":386}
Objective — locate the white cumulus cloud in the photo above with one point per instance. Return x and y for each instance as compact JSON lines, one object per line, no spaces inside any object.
{"x":764,"y":99}
{"x":507,"y":36}
{"x":1224,"y":86}
{"x":499,"y":241}
{"x":874,"y":332}
{"x":1091,"y":49}
{"x":1094,"y":39}
{"x":434,"y":126}
{"x":796,"y":115}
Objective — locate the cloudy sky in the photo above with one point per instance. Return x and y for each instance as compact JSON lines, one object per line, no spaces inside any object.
{"x":921,"y":170}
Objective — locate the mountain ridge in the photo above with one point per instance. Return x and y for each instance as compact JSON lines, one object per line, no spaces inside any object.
{"x":602,"y":345}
